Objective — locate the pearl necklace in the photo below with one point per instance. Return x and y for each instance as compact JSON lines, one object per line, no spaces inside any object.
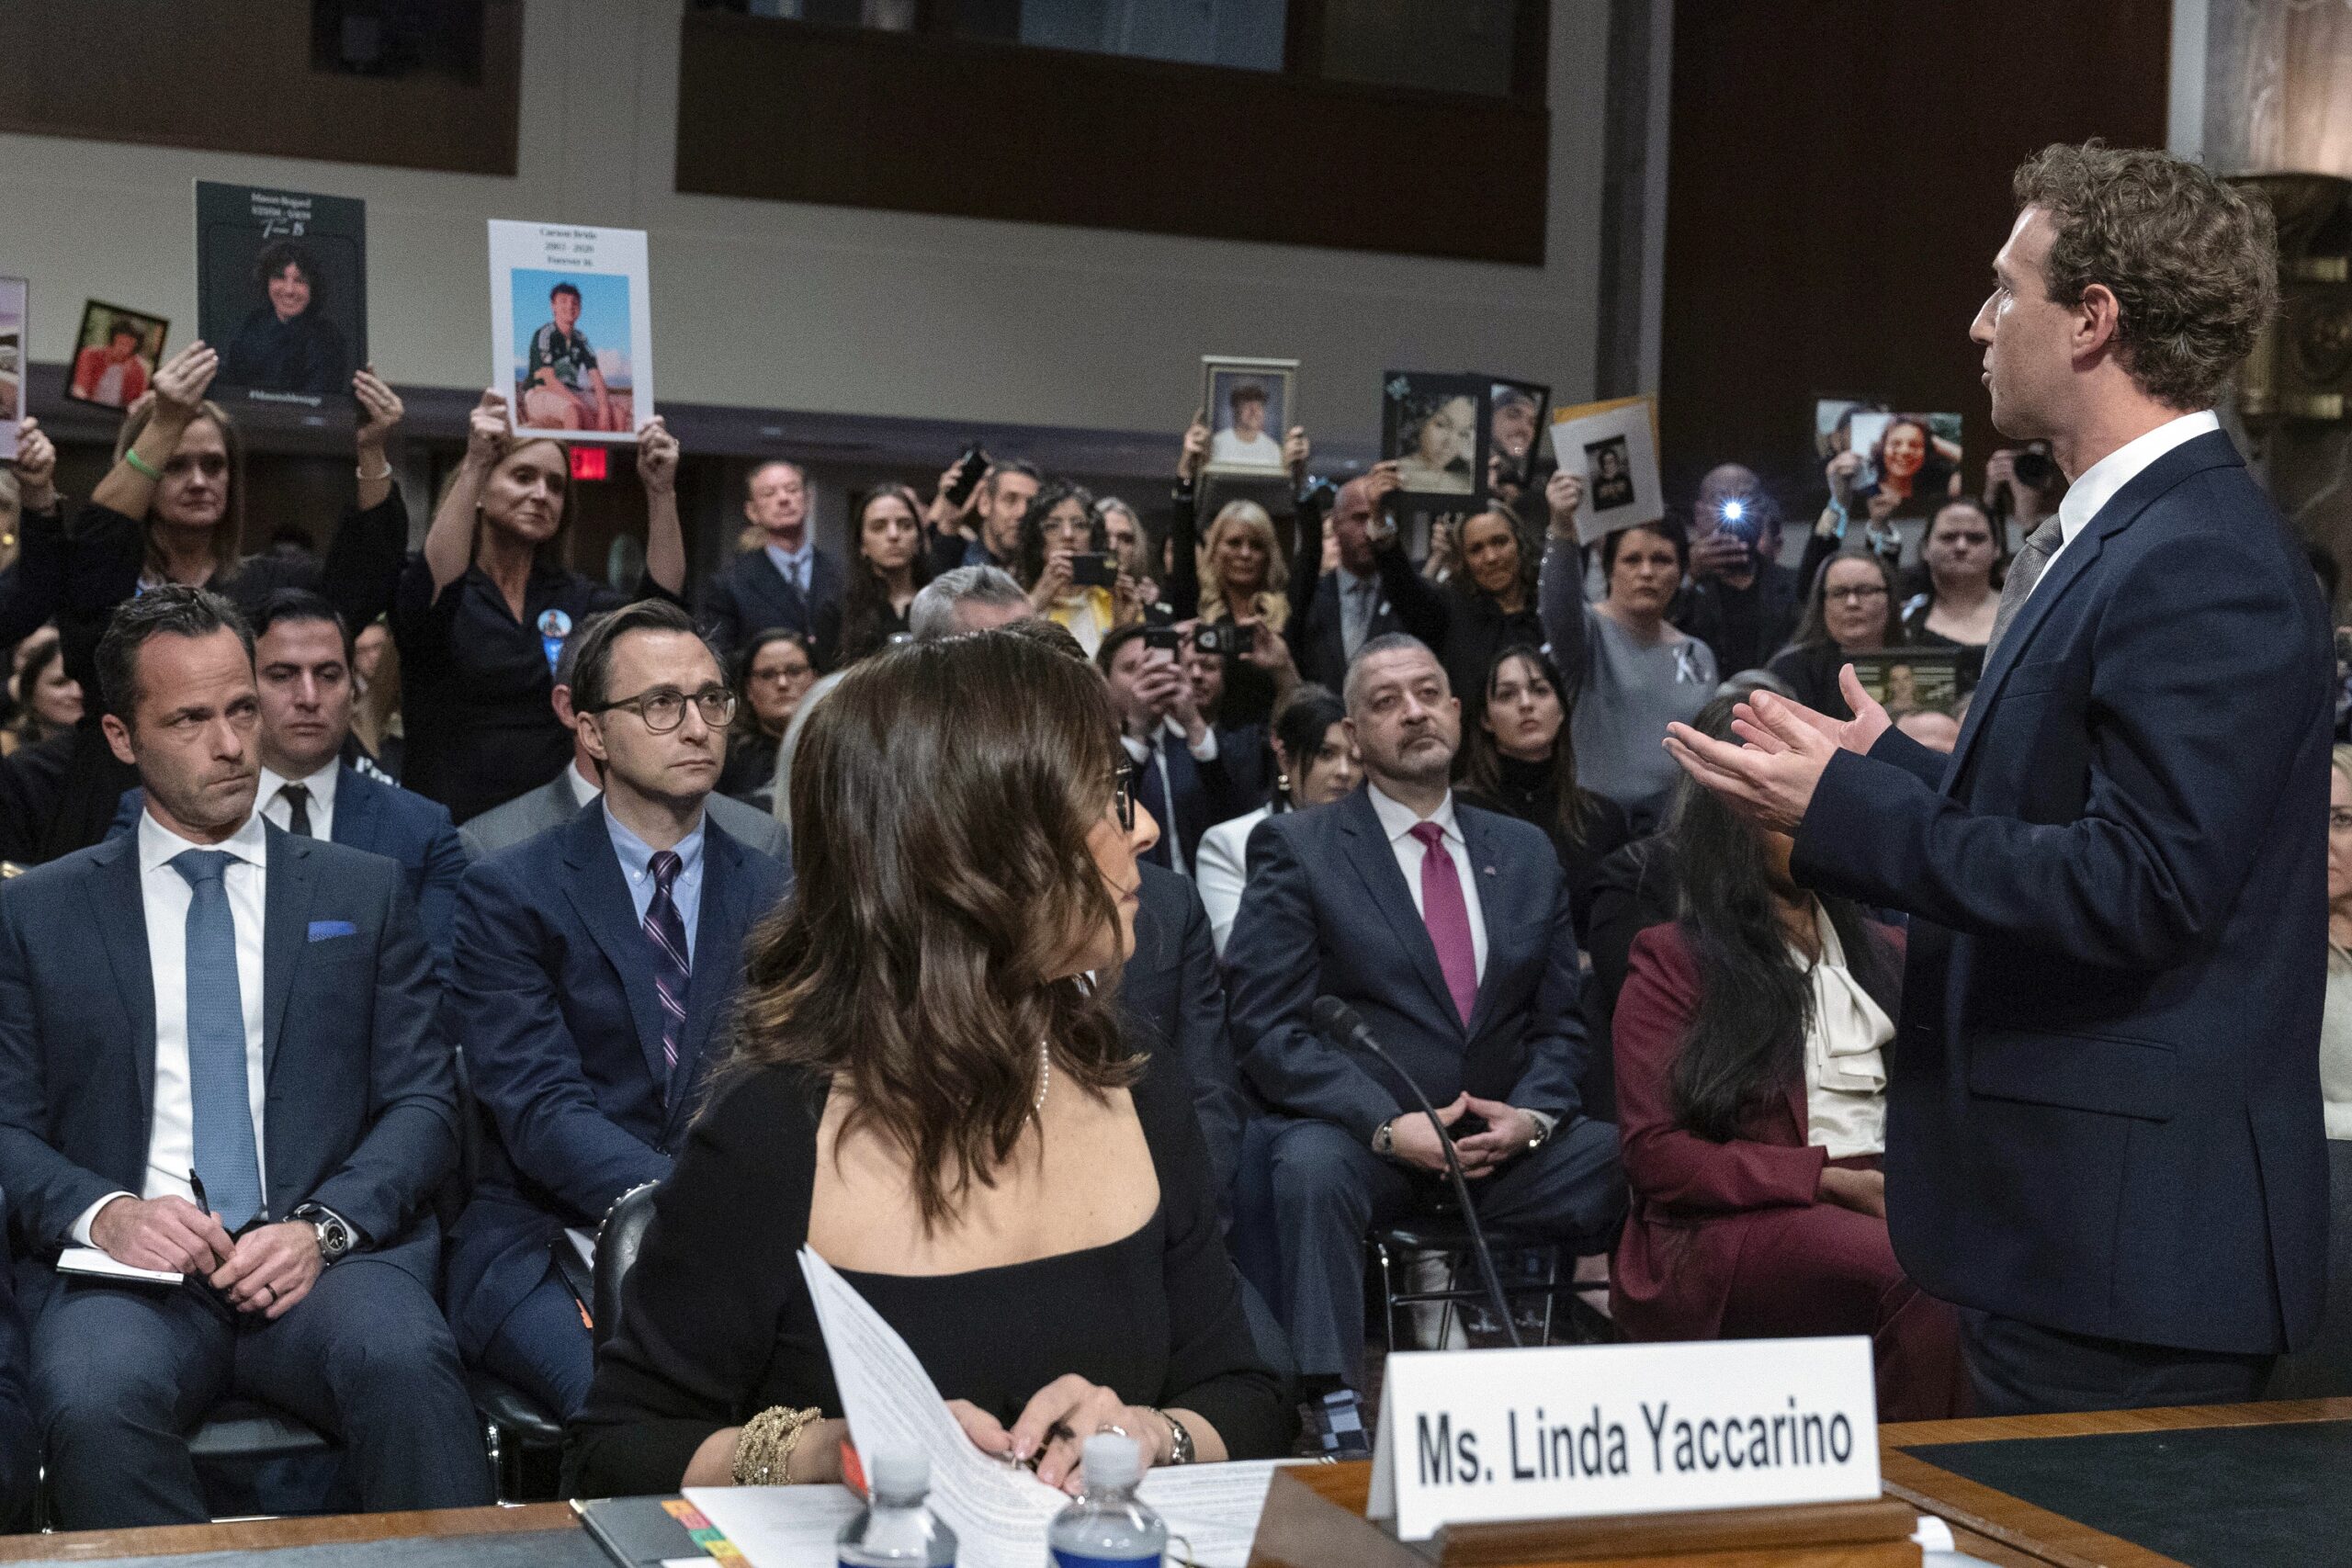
{"x":1045,"y":1078}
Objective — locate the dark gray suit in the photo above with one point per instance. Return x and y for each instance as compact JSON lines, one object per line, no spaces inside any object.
{"x":359,"y":1116}
{"x":751,"y":596}
{"x":1326,"y":912}
{"x":552,"y":804}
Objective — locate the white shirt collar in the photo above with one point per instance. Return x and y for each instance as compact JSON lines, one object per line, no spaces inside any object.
{"x":1397,"y":818}
{"x":2103,"y":479}
{"x":158,"y":845}
{"x":320,"y":784}
{"x":583,"y":788}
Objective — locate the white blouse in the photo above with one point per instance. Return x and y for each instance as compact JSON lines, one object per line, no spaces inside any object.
{"x":1845,"y":1064}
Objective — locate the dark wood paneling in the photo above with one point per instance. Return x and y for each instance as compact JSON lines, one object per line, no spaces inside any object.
{"x":1837,"y":183}
{"x":235,"y":76}
{"x":797,"y":112}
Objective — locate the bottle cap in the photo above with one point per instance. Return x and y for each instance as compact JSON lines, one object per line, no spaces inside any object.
{"x":898,"y":1472}
{"x":1112,"y":1460}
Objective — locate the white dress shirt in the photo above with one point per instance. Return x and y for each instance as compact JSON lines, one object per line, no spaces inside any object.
{"x":583,"y":788}
{"x":2103,"y":479}
{"x":278,"y":809}
{"x":1398,"y":821}
{"x":171,"y":1137}
{"x":1156,"y":759}
{"x":1844,"y":1061}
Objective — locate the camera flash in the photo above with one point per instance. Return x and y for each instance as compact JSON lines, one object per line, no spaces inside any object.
{"x":1734,"y":510}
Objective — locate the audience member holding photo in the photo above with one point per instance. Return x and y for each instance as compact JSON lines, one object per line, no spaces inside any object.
{"x":286,"y":344}
{"x":482,"y":610}
{"x":1851,"y":610}
{"x":1435,"y":442}
{"x":1915,"y":469}
{"x":1489,"y":605}
{"x":564,"y":385}
{"x":1245,"y":443}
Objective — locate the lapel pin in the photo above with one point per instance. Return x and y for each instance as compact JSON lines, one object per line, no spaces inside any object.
{"x":1487,"y":869}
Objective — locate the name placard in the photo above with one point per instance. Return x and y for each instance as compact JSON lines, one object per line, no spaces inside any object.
{"x":1574,"y":1431}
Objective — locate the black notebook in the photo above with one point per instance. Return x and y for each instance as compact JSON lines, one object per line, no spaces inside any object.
{"x":636,"y":1532}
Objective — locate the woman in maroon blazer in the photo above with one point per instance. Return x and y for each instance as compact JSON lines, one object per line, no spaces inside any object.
{"x":1751,"y":1099}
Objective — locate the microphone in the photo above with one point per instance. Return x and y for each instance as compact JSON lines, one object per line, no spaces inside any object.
{"x":1341,"y":1024}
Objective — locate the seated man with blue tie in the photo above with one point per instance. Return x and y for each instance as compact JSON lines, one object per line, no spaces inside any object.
{"x":220,"y":1059}
{"x":303,"y":655}
{"x":596,"y":965}
{"x":1448,"y":929}
{"x":1183,"y":778}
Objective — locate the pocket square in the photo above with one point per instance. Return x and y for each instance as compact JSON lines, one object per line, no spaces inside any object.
{"x":322,"y":930}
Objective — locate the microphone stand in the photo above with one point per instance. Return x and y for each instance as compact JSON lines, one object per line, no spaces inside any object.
{"x":1341,"y":1023}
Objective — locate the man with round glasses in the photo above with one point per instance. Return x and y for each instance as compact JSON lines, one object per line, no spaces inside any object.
{"x":596,"y":964}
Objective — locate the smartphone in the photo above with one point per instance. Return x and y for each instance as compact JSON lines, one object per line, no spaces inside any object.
{"x":1168,"y":640}
{"x":1220,"y":637}
{"x":1090,"y":570}
{"x":969,"y":466}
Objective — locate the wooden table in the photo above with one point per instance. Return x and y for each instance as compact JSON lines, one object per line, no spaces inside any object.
{"x":2001,"y":1529}
{"x":264,"y":1535}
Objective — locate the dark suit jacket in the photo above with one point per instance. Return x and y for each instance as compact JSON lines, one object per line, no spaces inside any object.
{"x":552,"y":805}
{"x":749,"y":595}
{"x":360,"y":1108}
{"x":1408,"y":603}
{"x":1327,"y":913}
{"x":2104,"y":1114}
{"x":554,"y":1001}
{"x":1172,"y":998}
{"x":381,"y":819}
{"x":19,"y":1439}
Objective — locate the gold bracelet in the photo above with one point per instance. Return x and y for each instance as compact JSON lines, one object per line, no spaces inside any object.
{"x":764,"y":1449}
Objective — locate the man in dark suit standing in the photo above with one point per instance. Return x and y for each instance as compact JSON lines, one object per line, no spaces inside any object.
{"x":2104,"y":1136}
{"x":785,"y":581}
{"x":1448,"y":929}
{"x":240,"y":1080}
{"x":1373,"y":592}
{"x":302,"y":653}
{"x":596,"y":964}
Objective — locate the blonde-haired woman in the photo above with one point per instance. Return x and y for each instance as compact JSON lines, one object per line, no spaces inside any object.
{"x":1241,"y":567}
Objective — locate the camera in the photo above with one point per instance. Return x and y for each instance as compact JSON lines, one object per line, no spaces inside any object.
{"x":968,"y":469}
{"x":1743,"y":519}
{"x":2034,"y":469}
{"x":1222,"y":639}
{"x":1167,"y":639}
{"x":1092,"y":569}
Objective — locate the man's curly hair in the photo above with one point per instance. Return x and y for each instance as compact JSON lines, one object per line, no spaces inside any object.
{"x":2193,"y":262}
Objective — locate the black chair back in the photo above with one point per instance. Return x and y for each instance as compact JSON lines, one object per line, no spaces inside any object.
{"x":617,"y":1240}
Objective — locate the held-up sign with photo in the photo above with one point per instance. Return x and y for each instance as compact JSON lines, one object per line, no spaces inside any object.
{"x":1613,"y":446}
{"x":1583,"y":1431}
{"x":571,"y":329}
{"x":115,"y":355}
{"x":281,"y":295}
{"x":1247,"y":404}
{"x":15,"y":343}
{"x":1434,"y":428}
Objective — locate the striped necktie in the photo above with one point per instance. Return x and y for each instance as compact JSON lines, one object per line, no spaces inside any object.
{"x":667,"y":932}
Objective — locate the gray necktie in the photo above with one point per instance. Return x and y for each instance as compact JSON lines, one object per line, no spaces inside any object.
{"x":220,"y":1096}
{"x":2024,"y":572}
{"x":1356,"y":608}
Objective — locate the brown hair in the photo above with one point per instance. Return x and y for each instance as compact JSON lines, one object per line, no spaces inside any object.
{"x":229,"y":533}
{"x":1814,"y":630}
{"x":942,"y":800}
{"x":552,"y":549}
{"x":2192,"y":260}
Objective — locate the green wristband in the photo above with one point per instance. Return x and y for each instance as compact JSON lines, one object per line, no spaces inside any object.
{"x":142,"y":465}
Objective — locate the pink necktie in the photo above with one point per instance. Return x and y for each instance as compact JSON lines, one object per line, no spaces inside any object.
{"x":1448,"y":918}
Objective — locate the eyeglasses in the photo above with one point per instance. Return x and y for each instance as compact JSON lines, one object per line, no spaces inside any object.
{"x":1125,"y":791}
{"x":1860,"y":593}
{"x":663,"y":708}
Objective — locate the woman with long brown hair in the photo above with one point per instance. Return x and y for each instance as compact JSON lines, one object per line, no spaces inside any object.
{"x":929,"y":1092}
{"x":891,"y":568}
{"x":483,"y":609}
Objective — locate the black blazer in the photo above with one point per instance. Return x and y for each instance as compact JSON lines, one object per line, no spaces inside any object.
{"x":1327,"y":913}
{"x":1408,"y":603}
{"x":749,"y":596}
{"x":361,"y":1089}
{"x":2104,"y":1110}
{"x":1172,"y":1000}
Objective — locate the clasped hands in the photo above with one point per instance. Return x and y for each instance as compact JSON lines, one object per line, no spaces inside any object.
{"x":1508,"y":1133}
{"x":1770,"y":779}
{"x":266,"y":1270}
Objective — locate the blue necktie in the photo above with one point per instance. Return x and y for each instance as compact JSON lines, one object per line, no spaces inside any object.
{"x":1154,"y":799}
{"x":671,"y":969}
{"x":226,"y":1159}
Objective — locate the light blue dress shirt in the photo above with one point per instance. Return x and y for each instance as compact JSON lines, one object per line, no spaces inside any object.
{"x":636,"y":870}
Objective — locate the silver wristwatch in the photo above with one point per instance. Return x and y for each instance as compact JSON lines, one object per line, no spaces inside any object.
{"x":1383,"y":1139}
{"x":334,"y":1237}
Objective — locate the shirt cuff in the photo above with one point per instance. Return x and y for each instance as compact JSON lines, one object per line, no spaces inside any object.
{"x":1545,"y":1121}
{"x":89,"y":1216}
{"x":1206,"y":750}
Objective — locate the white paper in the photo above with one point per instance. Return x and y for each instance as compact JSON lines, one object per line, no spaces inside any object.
{"x":778,"y":1527}
{"x":1634,"y":497}
{"x":1934,"y":1535}
{"x":998,"y":1511}
{"x":608,"y":270}
{"x":90,"y":1260}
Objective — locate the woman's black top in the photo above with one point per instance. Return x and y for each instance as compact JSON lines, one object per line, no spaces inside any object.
{"x":1969,"y":667}
{"x":717,"y":1326}
{"x":1530,"y":792}
{"x":845,"y":637}
{"x":475,"y":683}
{"x":1477,"y":628}
{"x":750,"y":773}
{"x":305,"y":354}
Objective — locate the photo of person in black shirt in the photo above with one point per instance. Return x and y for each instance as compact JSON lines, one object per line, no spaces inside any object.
{"x":286,"y":344}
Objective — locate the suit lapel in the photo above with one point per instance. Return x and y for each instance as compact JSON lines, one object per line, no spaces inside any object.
{"x":720,"y":926}
{"x":1375,"y":862}
{"x":285,"y":913}
{"x":119,"y":911}
{"x":358,"y":810}
{"x":792,"y":608}
{"x":1498,"y":903}
{"x":602,"y":898}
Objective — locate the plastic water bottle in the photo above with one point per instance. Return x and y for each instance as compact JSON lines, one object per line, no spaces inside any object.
{"x":896,"y":1530}
{"x":1106,"y":1526}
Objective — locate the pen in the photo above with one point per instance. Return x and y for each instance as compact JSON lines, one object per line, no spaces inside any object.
{"x":196,"y":1185}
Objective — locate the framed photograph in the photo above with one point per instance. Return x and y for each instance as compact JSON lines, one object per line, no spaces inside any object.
{"x":1614,"y":445}
{"x":1435,"y":429}
{"x":1913,"y":459}
{"x":571,"y":329}
{"x":115,"y":355}
{"x":1250,"y":403}
{"x":16,"y":339}
{"x":1516,"y":414}
{"x":281,"y":292}
{"x":1918,"y":677}
{"x":1833,"y":422}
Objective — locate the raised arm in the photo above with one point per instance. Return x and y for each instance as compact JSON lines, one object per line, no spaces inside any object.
{"x":177,"y":398}
{"x":665,"y":540}
{"x":33,"y":587}
{"x":450,"y":542}
{"x":362,"y":563}
{"x":1559,"y":594}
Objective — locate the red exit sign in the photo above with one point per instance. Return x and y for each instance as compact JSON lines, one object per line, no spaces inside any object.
{"x":588,"y":462}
